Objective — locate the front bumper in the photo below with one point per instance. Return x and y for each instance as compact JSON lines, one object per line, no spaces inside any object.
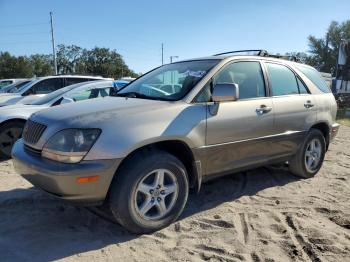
{"x":60,"y":179}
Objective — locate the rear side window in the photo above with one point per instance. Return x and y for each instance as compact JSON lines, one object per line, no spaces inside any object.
{"x":282,"y":80}
{"x":75,"y":80}
{"x":315,"y":78}
{"x":248,"y":75}
{"x":90,"y":94}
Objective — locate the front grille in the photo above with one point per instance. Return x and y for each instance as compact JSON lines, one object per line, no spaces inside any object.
{"x":32,"y":131}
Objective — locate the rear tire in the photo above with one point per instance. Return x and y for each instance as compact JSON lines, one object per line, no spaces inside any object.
{"x":149,"y":192}
{"x":10,"y":132}
{"x":309,"y":158}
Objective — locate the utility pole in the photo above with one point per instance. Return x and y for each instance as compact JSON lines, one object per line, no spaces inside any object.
{"x":53,"y":45}
{"x":162,"y":54}
{"x":326,"y":54}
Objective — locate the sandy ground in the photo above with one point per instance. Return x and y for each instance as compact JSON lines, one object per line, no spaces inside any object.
{"x":261,"y":215}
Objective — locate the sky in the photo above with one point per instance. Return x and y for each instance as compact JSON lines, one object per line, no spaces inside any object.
{"x":137,"y":28}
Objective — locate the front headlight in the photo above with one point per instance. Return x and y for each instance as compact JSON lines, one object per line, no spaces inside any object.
{"x":70,"y":145}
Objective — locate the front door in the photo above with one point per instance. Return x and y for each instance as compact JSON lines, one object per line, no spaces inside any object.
{"x":238,"y":134}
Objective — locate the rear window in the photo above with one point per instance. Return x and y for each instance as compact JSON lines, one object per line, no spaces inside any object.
{"x":315,"y":77}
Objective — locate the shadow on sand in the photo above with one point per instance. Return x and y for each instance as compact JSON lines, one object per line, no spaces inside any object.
{"x":35,"y":226}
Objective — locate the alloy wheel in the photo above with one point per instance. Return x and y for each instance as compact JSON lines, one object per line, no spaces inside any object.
{"x":156,"y":194}
{"x":313,"y":154}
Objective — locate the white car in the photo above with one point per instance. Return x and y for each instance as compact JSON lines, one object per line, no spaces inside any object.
{"x":41,"y":86}
{"x":13,"y":117}
{"x":7,"y":82}
{"x":14,"y":86}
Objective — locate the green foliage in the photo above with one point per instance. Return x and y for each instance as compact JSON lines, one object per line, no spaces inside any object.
{"x":10,"y":64}
{"x":71,"y":59}
{"x":324,"y":50}
{"x":41,"y":65}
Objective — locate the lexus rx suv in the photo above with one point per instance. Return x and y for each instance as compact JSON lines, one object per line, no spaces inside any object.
{"x":140,"y":152}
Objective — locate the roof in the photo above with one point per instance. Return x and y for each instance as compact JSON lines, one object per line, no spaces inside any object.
{"x":259,"y":54}
{"x":75,"y":76}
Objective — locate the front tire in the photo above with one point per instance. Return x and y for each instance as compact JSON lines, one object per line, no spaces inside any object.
{"x":10,"y":132}
{"x":149,"y":192}
{"x":309,"y":158}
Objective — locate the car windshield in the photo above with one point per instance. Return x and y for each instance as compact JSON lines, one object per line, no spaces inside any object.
{"x":19,"y":88}
{"x":7,"y":89}
{"x":170,"y":82}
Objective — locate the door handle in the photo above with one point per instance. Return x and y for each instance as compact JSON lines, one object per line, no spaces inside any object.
{"x":263,"y":109}
{"x":308,"y":104}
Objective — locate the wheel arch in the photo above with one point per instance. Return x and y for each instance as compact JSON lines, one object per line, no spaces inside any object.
{"x":325,"y":129}
{"x":13,"y":120}
{"x":179,"y":149}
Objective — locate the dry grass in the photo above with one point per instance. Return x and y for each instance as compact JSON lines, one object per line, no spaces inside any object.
{"x":343,"y":117}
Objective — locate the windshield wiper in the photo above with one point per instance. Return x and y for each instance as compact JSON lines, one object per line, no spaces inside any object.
{"x":142,"y":96}
{"x":131,"y":95}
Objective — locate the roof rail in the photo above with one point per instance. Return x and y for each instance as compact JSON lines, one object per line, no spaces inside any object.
{"x":288,"y":57}
{"x":262,"y":52}
{"x":259,"y":52}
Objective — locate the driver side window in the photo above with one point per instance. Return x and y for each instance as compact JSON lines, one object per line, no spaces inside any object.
{"x":46,"y":86}
{"x":248,"y":75}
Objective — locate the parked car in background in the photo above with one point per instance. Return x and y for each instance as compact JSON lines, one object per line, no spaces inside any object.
{"x":6,"y":82}
{"x":14,"y":86}
{"x":41,"y":86}
{"x":119,"y":84}
{"x":171,"y":129}
{"x":13,"y":117}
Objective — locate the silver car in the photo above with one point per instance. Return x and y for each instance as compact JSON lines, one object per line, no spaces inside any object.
{"x":13,"y":117}
{"x":39,"y":87}
{"x":175,"y":127}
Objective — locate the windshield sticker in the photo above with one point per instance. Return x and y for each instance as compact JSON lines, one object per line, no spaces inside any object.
{"x":194,"y":73}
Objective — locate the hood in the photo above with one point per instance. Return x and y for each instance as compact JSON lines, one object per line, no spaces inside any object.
{"x":9,"y":94}
{"x":18,"y":99}
{"x":10,"y":99}
{"x":97,"y":110}
{"x":18,"y":111}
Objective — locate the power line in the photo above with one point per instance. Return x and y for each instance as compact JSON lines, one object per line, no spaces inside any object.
{"x":25,"y":33}
{"x":23,"y":25}
{"x":23,"y":42}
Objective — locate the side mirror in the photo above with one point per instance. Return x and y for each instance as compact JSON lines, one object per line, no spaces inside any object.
{"x":66,"y":100}
{"x":226,"y":92}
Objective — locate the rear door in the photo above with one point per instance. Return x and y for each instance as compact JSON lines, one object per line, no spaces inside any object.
{"x":294,"y":107}
{"x":238,"y":134}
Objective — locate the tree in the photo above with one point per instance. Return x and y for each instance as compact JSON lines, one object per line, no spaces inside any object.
{"x":71,"y":59}
{"x":324,"y":50}
{"x":41,"y":65}
{"x":14,"y":67}
{"x":103,"y":62}
{"x":68,"y":58}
